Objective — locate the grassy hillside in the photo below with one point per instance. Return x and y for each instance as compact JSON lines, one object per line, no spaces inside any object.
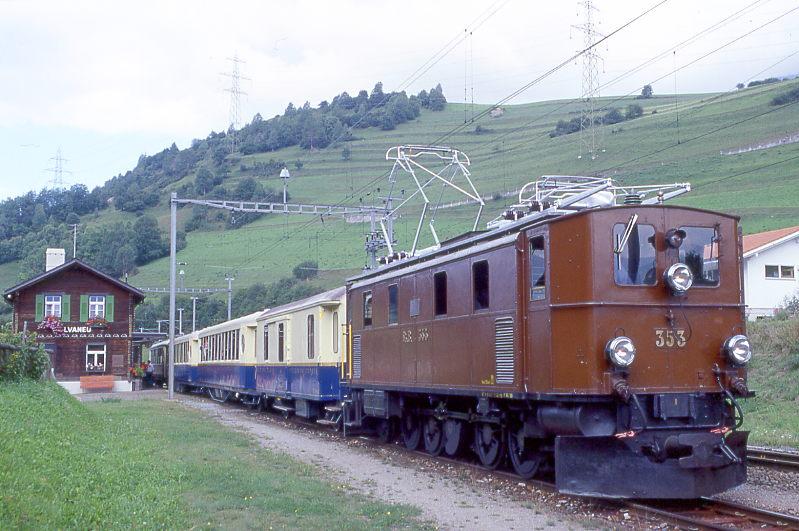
{"x":669,"y":143}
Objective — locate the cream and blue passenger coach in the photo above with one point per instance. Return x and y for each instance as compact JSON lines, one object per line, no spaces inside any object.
{"x":299,"y":348}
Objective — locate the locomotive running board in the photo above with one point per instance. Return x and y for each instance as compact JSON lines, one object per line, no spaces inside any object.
{"x":607,"y":467}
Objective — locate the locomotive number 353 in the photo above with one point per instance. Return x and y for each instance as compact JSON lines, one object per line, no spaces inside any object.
{"x":670,"y":338}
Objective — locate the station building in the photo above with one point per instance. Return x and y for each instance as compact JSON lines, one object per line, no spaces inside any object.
{"x":83,"y":317}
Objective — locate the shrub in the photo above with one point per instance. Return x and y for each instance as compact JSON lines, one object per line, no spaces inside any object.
{"x":305,"y":270}
{"x":788,"y":97}
{"x":25,"y":361}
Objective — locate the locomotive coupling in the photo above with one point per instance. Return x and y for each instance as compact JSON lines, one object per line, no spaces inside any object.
{"x":622,"y":389}
{"x":739,"y":387}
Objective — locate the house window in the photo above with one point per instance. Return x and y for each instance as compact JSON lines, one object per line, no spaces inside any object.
{"x":280,"y":342}
{"x":266,"y":341}
{"x":367,"y":308}
{"x":52,"y":305}
{"x":393,"y":304}
{"x":538,"y":269}
{"x":335,"y":332}
{"x":95,"y":357}
{"x":96,"y":306}
{"x":310,"y":337}
{"x":480,"y":284}
{"x":440,"y":293}
{"x":781,"y":271}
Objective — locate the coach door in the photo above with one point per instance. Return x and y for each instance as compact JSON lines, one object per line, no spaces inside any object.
{"x":537,"y":360}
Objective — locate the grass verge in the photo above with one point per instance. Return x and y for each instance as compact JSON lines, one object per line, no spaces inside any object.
{"x":154,"y":464}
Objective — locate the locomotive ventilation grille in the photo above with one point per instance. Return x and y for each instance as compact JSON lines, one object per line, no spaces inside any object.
{"x":356,"y":356}
{"x":503,"y":349}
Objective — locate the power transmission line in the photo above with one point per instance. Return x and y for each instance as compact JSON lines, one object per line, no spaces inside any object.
{"x":58,"y":170}
{"x":590,"y":131}
{"x":235,"y":91}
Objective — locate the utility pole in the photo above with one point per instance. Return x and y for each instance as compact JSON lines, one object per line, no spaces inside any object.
{"x":194,"y":314}
{"x":230,"y":280}
{"x":173,"y":224}
{"x":589,"y":131}
{"x":57,"y":170}
{"x":180,"y":321}
{"x":74,"y":240}
{"x":235,"y":100}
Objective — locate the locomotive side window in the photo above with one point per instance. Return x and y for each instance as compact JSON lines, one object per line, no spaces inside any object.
{"x":440,"y":293}
{"x":393,"y":304}
{"x":367,"y":308}
{"x":700,"y":252}
{"x":280,"y":341}
{"x":634,"y":261}
{"x":480,"y":284}
{"x":538,"y":269}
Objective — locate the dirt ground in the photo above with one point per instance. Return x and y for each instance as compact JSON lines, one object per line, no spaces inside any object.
{"x":446,"y":502}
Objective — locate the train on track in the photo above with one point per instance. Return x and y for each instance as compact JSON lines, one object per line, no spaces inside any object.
{"x":594,"y":333}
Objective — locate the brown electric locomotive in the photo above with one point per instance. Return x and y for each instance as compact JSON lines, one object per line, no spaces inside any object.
{"x":594,"y":332}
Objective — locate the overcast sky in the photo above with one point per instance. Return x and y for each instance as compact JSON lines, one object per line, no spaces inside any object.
{"x":108,"y":81}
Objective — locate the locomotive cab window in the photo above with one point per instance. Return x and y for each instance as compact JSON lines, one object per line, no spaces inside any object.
{"x":538,"y":269}
{"x":440,"y":293}
{"x":393,"y":304}
{"x":367,"y":308}
{"x":634,"y":254}
{"x":480,"y":285}
{"x":700,"y":252}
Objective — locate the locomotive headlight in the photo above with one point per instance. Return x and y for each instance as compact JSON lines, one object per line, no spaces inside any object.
{"x":679,"y":278}
{"x":620,"y":351}
{"x":738,"y":349}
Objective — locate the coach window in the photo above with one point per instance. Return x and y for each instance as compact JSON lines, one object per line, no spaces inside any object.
{"x":440,"y":293}
{"x":310,"y":337}
{"x":367,"y":308}
{"x":538,"y":269}
{"x":634,"y":254}
{"x":280,"y":341}
{"x":700,"y":252}
{"x":480,"y":287}
{"x":393,"y":304}
{"x":266,"y":341}
{"x":335,"y":332}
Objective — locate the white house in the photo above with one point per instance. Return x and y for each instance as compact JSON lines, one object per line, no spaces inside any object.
{"x":770,"y":262}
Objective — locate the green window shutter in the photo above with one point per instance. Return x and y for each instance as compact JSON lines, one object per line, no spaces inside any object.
{"x":109,"y":308}
{"x":39,"y":307}
{"x":84,"y":308}
{"x":66,"y":309}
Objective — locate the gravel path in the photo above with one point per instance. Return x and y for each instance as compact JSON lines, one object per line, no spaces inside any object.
{"x":446,"y":500}
{"x":769,"y":488}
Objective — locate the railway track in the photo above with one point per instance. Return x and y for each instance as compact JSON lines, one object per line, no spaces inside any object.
{"x":772,"y":458}
{"x":702,"y":514}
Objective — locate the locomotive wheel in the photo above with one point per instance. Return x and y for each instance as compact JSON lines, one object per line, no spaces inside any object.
{"x":411,"y":431}
{"x":454,"y":437}
{"x":386,"y":430}
{"x":524,"y":454}
{"x":433,"y":434}
{"x":489,"y":443}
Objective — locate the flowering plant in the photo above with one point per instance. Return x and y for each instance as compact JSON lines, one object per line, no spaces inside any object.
{"x":137,"y":371}
{"x":52,"y":324}
{"x":96,"y":322}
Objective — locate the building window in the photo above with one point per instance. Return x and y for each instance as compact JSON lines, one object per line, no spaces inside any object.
{"x":480,"y":284}
{"x":440,"y":293}
{"x":96,"y":306}
{"x":310,"y":337}
{"x":52,"y":306}
{"x":393,"y":304}
{"x":538,"y":269}
{"x":335,"y":332}
{"x":95,"y":357}
{"x":367,"y":308}
{"x":781,"y":271}
{"x":280,"y":342}
{"x":266,"y":341}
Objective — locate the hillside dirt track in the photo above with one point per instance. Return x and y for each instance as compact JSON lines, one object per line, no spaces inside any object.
{"x":447,"y":497}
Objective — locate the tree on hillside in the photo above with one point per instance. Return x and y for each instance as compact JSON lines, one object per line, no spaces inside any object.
{"x":437,"y":99}
{"x":633,"y":111}
{"x":148,"y":241}
{"x":305,"y":270}
{"x":204,"y":181}
{"x":646,"y":92}
{"x":739,"y":86}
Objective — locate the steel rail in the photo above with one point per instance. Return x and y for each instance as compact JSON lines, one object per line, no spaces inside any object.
{"x":772,"y":458}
